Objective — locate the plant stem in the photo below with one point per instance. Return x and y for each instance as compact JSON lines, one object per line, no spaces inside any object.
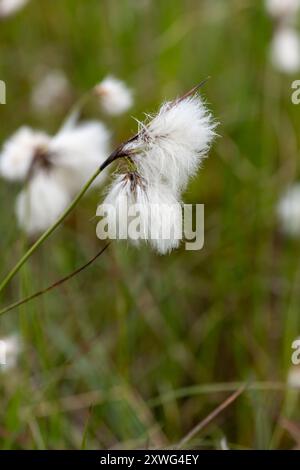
{"x":54,"y":285}
{"x":48,"y":232}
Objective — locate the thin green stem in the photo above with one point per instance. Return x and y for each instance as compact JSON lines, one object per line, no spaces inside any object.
{"x":54,"y":285}
{"x":48,"y":232}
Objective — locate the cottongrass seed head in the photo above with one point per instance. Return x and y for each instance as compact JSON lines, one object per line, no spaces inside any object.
{"x":165,"y":154}
{"x":282,"y":8}
{"x":18,"y":152}
{"x":10,"y":349}
{"x":40,"y":203}
{"x":173,"y":143}
{"x":159,"y":212}
{"x":77,"y":152}
{"x":285,"y":50}
{"x":288,"y":210}
{"x":9,"y":7}
{"x":115,"y":97}
{"x":54,"y":169}
{"x":50,"y":92}
{"x":293,"y":378}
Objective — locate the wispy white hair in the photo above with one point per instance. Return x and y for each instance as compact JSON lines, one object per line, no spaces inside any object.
{"x":10,"y":348}
{"x":288,"y":210}
{"x":18,"y":152}
{"x":173,"y":143}
{"x":52,"y":89}
{"x":41,"y":202}
{"x":115,"y":97}
{"x":9,"y":7}
{"x":285,"y":50}
{"x":55,"y":168}
{"x":155,"y":206}
{"x":282,"y":8}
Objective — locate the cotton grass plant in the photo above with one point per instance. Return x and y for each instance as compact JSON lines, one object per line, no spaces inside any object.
{"x":285,"y":44}
{"x":53,"y":169}
{"x":166,"y":151}
{"x":10,"y":7}
{"x":163,"y":156}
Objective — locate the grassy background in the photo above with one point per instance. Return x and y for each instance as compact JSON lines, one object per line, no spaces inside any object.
{"x":140,"y":348}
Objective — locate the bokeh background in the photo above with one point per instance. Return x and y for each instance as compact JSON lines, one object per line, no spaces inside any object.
{"x":140,"y":348}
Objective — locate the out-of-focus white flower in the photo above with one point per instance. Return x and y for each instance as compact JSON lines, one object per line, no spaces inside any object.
{"x":41,"y":203}
{"x":285,"y":50}
{"x":55,"y":169}
{"x":173,"y":143}
{"x":224,"y":444}
{"x":293,"y":378}
{"x":154,"y":207}
{"x":10,"y":348}
{"x":115,"y":97}
{"x":9,"y":7}
{"x":18,"y":152}
{"x":50,"y":91}
{"x":77,"y":152}
{"x":282,"y":8}
{"x":288,"y":210}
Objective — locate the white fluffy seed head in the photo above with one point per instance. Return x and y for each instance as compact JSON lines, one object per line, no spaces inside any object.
{"x":288,"y":211}
{"x":115,"y":97}
{"x":125,"y":191}
{"x":40,"y":203}
{"x":165,"y":223}
{"x":282,"y":8}
{"x":56,"y":169}
{"x":77,"y":152}
{"x":154,"y":206}
{"x":293,"y":378}
{"x":50,"y":91}
{"x":18,"y":153}
{"x":285,"y":50}
{"x":9,"y":7}
{"x":166,"y":152}
{"x":174,"y":142}
{"x":10,"y":349}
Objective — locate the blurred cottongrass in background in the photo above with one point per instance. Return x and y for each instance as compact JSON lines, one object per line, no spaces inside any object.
{"x":285,"y":47}
{"x":9,"y":7}
{"x":140,"y":348}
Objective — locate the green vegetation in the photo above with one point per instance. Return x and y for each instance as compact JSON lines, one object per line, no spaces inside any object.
{"x":138,"y":349}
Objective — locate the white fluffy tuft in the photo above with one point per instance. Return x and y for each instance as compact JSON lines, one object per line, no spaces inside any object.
{"x":166,"y":152}
{"x":115,"y":97}
{"x":9,"y":7}
{"x":285,"y":50}
{"x":293,"y":378}
{"x":56,"y":168}
{"x":288,"y":210}
{"x":282,"y":8}
{"x":52,"y":89}
{"x":40,"y":203}
{"x":10,"y":349}
{"x":78,"y":152}
{"x":174,"y":142}
{"x":158,"y":211}
{"x":18,"y":152}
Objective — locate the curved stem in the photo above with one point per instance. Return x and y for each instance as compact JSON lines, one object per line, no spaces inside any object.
{"x":54,"y":285}
{"x":48,"y":232}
